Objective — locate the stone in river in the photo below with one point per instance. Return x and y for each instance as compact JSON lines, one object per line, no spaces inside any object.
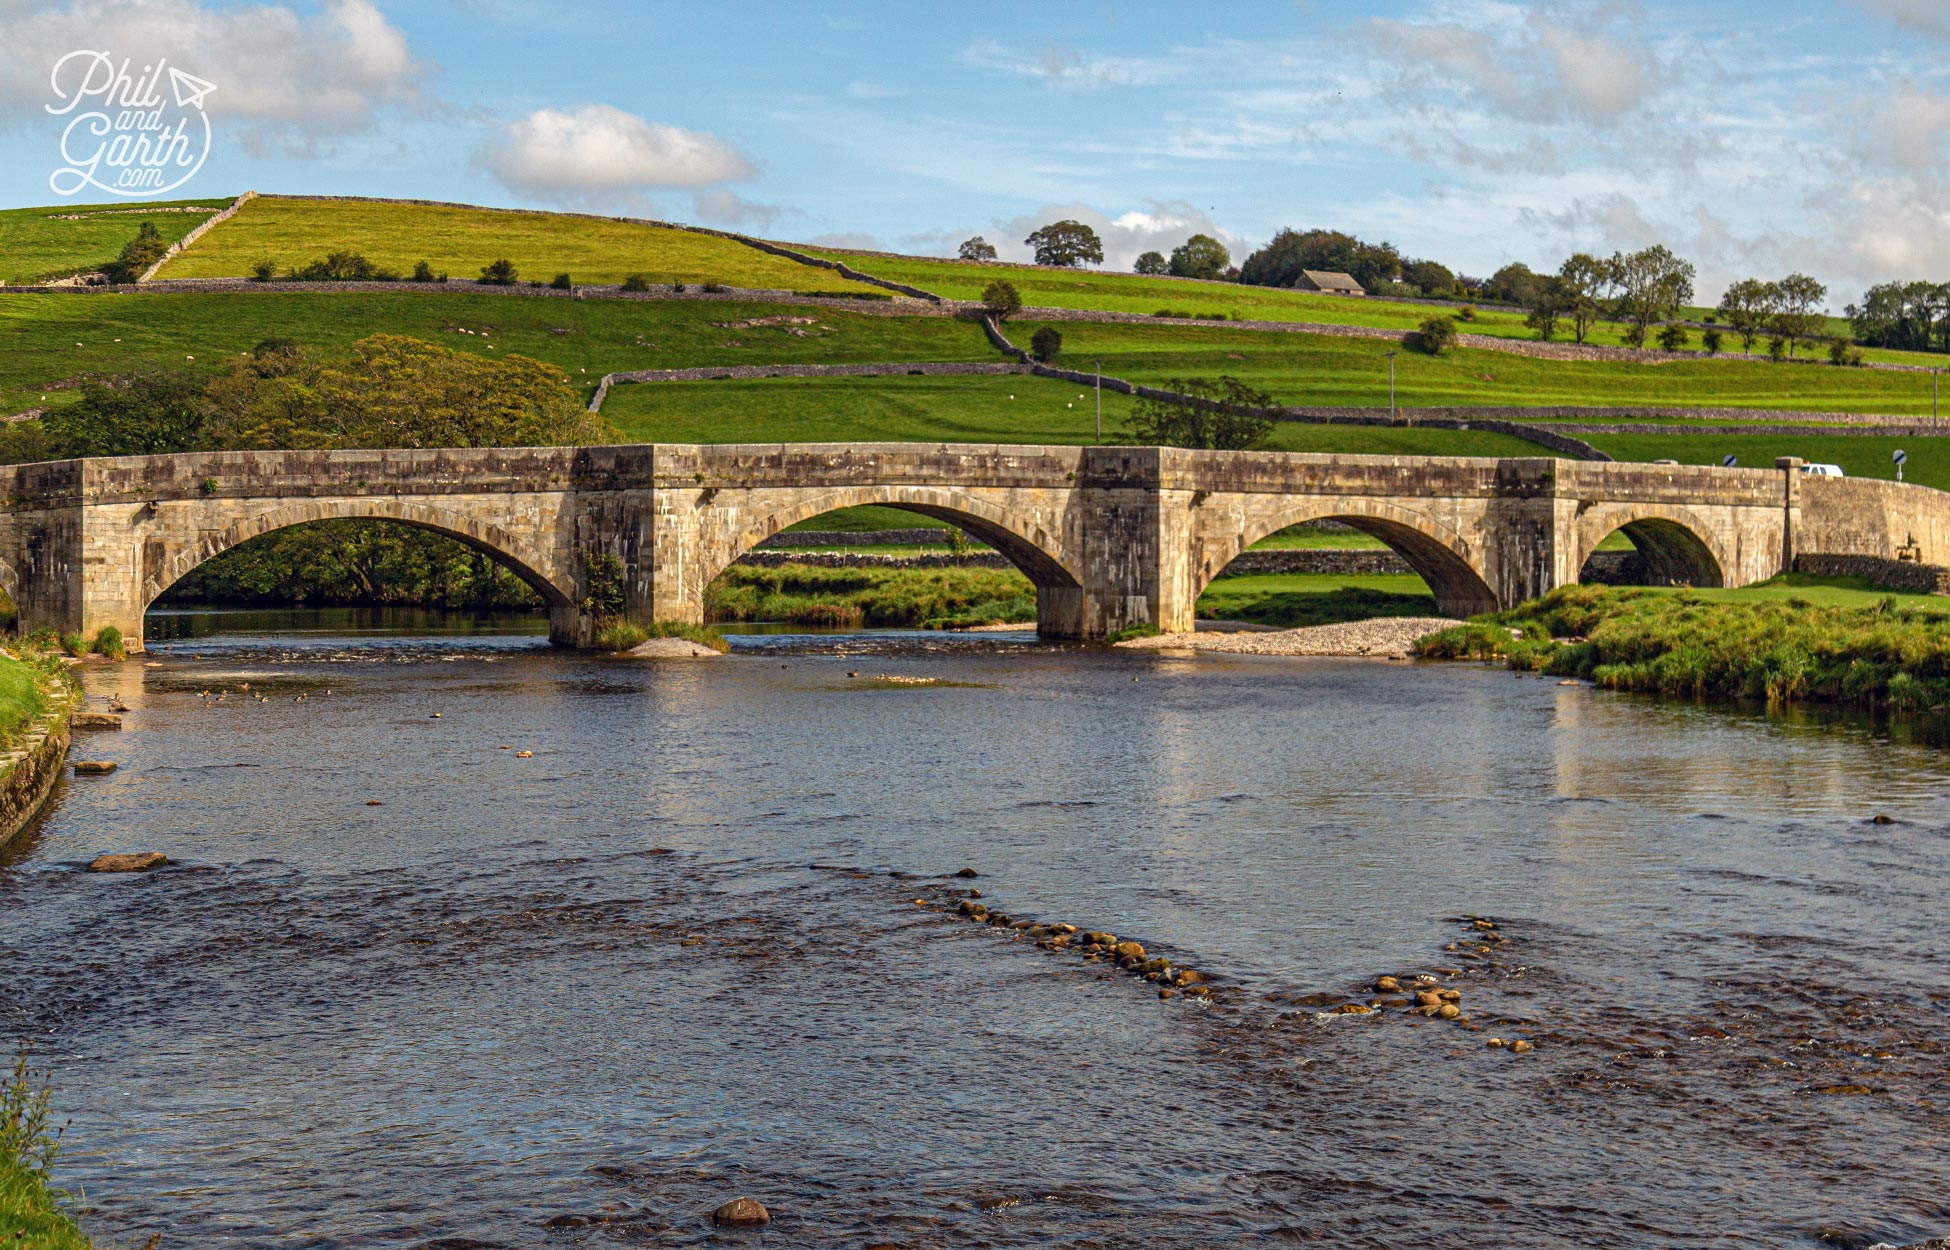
{"x":1387,"y":985}
{"x":139,"y":861}
{"x":1128,"y":950}
{"x":968,"y":872}
{"x":740,"y":1212}
{"x":1521,"y":1048}
{"x":93,"y":768}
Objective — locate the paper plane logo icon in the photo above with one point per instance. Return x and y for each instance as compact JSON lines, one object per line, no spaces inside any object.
{"x":189,"y":89}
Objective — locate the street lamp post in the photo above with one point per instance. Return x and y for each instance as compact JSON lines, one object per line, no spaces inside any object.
{"x":1100,"y":403}
{"x":1391,"y":386}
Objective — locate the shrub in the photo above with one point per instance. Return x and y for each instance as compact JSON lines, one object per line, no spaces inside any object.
{"x":1673,"y":336}
{"x":144,"y":250}
{"x":264,"y":271}
{"x":637,"y":282}
{"x":338,"y":267}
{"x":617,"y":634}
{"x":1777,"y":348}
{"x":1143,"y":629}
{"x":715,"y":288}
{"x":498,"y":273}
{"x":423,"y":272}
{"x":1046,"y":343}
{"x":561,"y":282}
{"x":1633,"y":335}
{"x":75,"y":644}
{"x":1466,"y":313}
{"x":1711,"y":339}
{"x":1434,"y":336}
{"x":108,"y":642}
{"x":678,"y":287}
{"x":1001,"y":300}
{"x":1843,"y":352}
{"x":702,"y":635}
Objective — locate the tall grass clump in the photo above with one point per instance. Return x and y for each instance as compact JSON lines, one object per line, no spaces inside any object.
{"x":1884,"y":655}
{"x":34,"y":1215}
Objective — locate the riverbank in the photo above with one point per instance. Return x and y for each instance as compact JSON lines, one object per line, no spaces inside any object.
{"x":1891,"y":654}
{"x":1392,"y":637}
{"x":33,"y":1214}
{"x":37,"y":697}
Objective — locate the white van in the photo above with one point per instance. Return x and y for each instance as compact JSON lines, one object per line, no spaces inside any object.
{"x":1823,"y":470}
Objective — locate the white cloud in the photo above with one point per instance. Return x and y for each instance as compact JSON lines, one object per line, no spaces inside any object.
{"x":725,"y":207}
{"x":600,"y":154}
{"x":1928,"y":17}
{"x":1067,"y":67}
{"x":279,"y":76}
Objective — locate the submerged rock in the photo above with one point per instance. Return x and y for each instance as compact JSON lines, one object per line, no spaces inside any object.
{"x":741,"y":1212}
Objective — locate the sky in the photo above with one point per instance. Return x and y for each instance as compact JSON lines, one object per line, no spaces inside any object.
{"x":1753,"y":138}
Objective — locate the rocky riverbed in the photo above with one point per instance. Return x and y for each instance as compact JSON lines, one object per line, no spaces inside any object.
{"x":1383,"y":636}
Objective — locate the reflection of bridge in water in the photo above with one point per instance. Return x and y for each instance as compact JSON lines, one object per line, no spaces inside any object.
{"x":1111,"y":536}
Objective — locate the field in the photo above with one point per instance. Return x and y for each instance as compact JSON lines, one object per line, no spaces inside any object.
{"x":48,"y":339}
{"x":36,"y":243}
{"x":1859,"y":455}
{"x":459,"y":241}
{"x":1329,"y":370}
{"x":976,"y":409}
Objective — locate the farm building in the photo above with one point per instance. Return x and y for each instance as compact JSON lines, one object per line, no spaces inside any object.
{"x":1328,"y":283}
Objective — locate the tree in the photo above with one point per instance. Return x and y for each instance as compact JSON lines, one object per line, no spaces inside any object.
{"x":1652,"y":285}
{"x":1045,"y":344}
{"x":1222,"y":414}
{"x":1513,"y":284}
{"x":1432,"y":277}
{"x":1434,"y":336}
{"x":1001,"y":300}
{"x":1910,"y":316}
{"x":1200,"y":256}
{"x":1152,"y":264}
{"x":146,"y":414}
{"x":1585,"y":278}
{"x":1066,"y":244}
{"x":1711,"y":340}
{"x":1673,"y":336}
{"x":1550,"y":299}
{"x":977,"y":248}
{"x":1748,"y":306}
{"x":1279,"y":263}
{"x":1799,"y":314}
{"x":144,"y":250}
{"x":498,"y":273}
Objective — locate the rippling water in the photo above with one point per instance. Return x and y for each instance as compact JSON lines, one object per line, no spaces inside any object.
{"x":579,"y":999}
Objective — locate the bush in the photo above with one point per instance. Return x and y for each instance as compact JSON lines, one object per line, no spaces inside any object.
{"x":36,"y":1214}
{"x":1632,"y":335}
{"x":1842,"y":352}
{"x":561,"y":282}
{"x":715,"y":288}
{"x":1672,"y":337}
{"x":1777,"y":348}
{"x":1434,"y":336}
{"x":423,"y":272}
{"x":617,"y":634}
{"x":637,"y":282}
{"x":499,"y":273}
{"x":264,"y":271}
{"x":1466,"y":313}
{"x":108,"y":642}
{"x":1001,"y":300}
{"x":342,"y":267}
{"x":75,"y":645}
{"x":1045,"y":344}
{"x":1711,"y":340}
{"x":144,"y":250}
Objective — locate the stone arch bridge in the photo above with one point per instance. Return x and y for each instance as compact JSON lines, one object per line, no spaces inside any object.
{"x":1111,"y":536}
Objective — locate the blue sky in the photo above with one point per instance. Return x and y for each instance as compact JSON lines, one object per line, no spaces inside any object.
{"x":1754,"y":138}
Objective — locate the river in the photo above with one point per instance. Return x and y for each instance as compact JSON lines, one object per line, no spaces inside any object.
{"x":403,"y":987}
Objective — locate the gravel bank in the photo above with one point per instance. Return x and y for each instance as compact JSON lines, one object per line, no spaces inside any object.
{"x":672,"y":648}
{"x":1383,"y":636}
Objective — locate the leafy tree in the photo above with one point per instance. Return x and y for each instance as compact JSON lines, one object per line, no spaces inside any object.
{"x":498,"y":273}
{"x":1045,"y":344}
{"x":1673,"y":336}
{"x":976,"y":248}
{"x":1711,"y":340}
{"x":423,"y":272}
{"x":1513,"y":284}
{"x":1066,"y":243}
{"x":1200,"y":256}
{"x":1151,"y":264}
{"x":1432,"y":277}
{"x":1434,"y":336}
{"x":1585,"y":279}
{"x":145,"y":414}
{"x":1279,"y":263}
{"x":144,"y":250}
{"x":1550,"y":298}
{"x":1748,"y":307}
{"x":1799,"y":315}
{"x":1219,"y":414}
{"x":1910,"y":316}
{"x":1001,"y":299}
{"x":563,"y":282}
{"x":1652,"y":286}
{"x":1843,"y":352}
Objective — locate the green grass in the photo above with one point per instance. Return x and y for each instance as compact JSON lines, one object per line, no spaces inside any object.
{"x":35,"y":244}
{"x":957,"y":409}
{"x":21,"y":698}
{"x":1858,"y":455}
{"x":459,"y":241}
{"x":1328,"y":370}
{"x":803,"y":594}
{"x":1892,"y":652}
{"x":34,"y":1215}
{"x":1290,"y":600}
{"x":587,"y":338}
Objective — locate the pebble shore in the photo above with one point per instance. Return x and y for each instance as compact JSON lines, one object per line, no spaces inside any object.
{"x":1383,"y":636}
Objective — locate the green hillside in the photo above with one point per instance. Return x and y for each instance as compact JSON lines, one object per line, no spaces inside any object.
{"x":459,"y":241}
{"x":57,"y":240}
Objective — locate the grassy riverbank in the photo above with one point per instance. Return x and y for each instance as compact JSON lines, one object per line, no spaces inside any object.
{"x":802,"y":594}
{"x":23,"y":695}
{"x":1892,"y":652}
{"x":34,"y":1215}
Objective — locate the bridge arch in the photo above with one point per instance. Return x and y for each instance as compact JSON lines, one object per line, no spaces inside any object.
{"x":1437,"y":553}
{"x":1677,"y":545}
{"x":490,"y":540}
